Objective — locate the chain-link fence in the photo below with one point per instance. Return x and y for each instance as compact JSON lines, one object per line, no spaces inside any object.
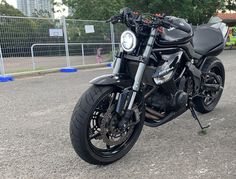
{"x":29,"y":44}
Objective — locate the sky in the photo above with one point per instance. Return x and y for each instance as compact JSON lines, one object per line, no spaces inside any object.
{"x":12,"y":2}
{"x":57,"y":15}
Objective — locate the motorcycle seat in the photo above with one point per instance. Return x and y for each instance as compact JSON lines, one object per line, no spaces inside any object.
{"x":208,"y":41}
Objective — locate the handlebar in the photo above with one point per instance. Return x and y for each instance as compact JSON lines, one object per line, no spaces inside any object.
{"x":129,"y":17}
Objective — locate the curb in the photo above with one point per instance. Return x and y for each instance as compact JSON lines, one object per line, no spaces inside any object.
{"x":230,"y":48}
{"x":57,"y":70}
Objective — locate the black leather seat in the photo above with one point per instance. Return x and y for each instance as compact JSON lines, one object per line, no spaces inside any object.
{"x":206,"y":39}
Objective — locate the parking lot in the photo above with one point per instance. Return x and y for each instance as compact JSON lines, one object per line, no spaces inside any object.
{"x":34,"y":134}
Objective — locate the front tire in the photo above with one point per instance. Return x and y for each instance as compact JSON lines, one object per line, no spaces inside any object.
{"x":80,"y":129}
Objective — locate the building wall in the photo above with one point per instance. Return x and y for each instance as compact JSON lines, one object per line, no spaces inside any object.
{"x":27,"y":7}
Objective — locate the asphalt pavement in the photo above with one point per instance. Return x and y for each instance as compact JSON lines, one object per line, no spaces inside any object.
{"x":34,"y":134}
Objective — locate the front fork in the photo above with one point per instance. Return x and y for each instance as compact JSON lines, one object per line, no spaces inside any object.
{"x":138,"y":76}
{"x":142,"y":66}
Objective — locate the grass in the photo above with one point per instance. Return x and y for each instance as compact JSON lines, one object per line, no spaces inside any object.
{"x":25,"y":70}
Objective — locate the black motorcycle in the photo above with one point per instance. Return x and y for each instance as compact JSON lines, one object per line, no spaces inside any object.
{"x":163,"y":69}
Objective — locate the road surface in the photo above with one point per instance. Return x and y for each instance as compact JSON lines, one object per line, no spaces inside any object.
{"x":34,"y":134}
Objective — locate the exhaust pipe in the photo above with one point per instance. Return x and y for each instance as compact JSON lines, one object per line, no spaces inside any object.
{"x":150,"y":92}
{"x":150,"y":116}
{"x":155,"y":113}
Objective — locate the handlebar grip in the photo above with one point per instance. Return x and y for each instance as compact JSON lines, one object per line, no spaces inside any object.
{"x":109,"y":20}
{"x":114,"y":19}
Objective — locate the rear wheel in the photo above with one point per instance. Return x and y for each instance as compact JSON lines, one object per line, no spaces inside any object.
{"x":211,"y":98}
{"x":94,"y":130}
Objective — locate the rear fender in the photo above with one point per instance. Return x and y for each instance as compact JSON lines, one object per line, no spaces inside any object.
{"x":206,"y":60}
{"x":121,"y":80}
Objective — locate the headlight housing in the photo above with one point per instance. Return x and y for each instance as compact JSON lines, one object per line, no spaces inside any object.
{"x":128,"y":41}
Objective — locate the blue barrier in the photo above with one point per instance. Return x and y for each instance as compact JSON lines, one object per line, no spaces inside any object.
{"x":109,"y":65}
{"x":68,"y":70}
{"x":6,"y":78}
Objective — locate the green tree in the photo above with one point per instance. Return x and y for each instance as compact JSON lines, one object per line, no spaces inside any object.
{"x":94,"y":9}
{"x":196,"y":11}
{"x":13,"y":30}
{"x":18,"y":34}
{"x":230,"y":5}
{"x":42,"y":13}
{"x":8,"y":10}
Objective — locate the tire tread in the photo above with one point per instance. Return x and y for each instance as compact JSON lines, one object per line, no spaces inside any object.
{"x":79,"y":120}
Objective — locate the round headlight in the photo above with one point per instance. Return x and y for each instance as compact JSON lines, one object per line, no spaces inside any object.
{"x":128,"y":41}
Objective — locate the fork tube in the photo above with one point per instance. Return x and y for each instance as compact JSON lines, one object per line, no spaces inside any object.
{"x":142,"y":66}
{"x":117,"y":63}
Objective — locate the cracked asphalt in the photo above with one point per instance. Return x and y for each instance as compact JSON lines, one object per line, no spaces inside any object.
{"x":34,"y":134}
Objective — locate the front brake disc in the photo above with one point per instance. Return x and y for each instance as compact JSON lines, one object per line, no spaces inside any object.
{"x":111,"y":135}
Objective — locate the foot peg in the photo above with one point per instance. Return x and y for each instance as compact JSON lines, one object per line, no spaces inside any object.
{"x":197,"y":119}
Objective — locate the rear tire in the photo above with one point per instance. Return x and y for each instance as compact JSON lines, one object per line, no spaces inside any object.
{"x":80,"y":124}
{"x":214,"y":65}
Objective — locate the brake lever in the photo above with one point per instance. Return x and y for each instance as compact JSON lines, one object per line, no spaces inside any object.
{"x":108,"y":21}
{"x":114,"y":19}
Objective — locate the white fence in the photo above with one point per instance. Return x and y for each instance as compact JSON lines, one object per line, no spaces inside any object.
{"x":29,"y":44}
{"x":2,"y":69}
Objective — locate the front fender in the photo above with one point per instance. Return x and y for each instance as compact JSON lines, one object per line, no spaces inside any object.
{"x":120,"y":80}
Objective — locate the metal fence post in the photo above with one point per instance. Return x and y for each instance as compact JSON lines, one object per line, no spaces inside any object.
{"x":2,"y":69}
{"x":66,"y":41}
{"x":32,"y":56}
{"x":82,"y":48}
{"x":113,"y":41}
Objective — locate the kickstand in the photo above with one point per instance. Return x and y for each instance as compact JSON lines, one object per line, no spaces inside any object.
{"x":197,"y":119}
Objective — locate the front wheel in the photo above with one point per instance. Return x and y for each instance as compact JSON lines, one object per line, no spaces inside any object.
{"x":94,"y":130}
